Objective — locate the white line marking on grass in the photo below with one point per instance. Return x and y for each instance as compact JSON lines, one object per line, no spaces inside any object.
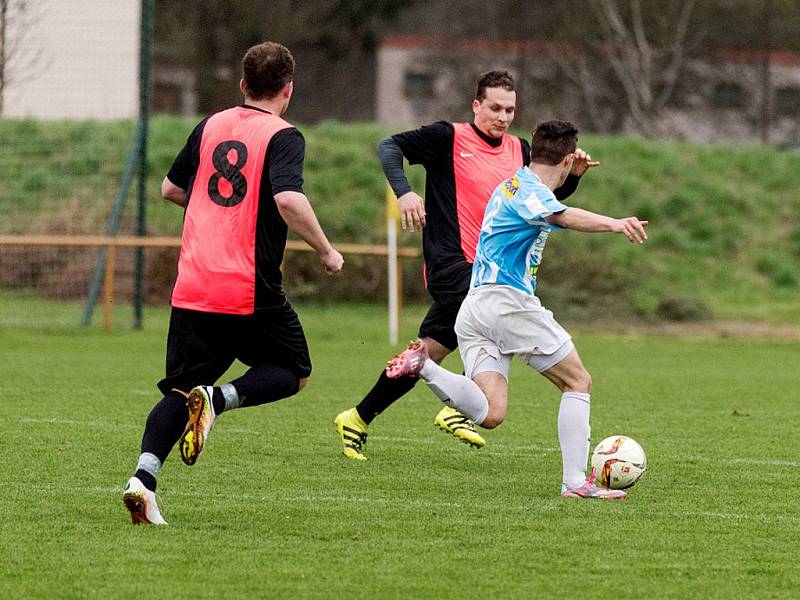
{"x":54,"y":421}
{"x":346,"y":499}
{"x":435,"y":440}
{"x":402,"y":502}
{"x":656,"y":514}
{"x":527,"y":448}
{"x":773,"y":518}
{"x":744,"y":461}
{"x":40,"y":488}
{"x":771,"y":463}
{"x":495,"y":447}
{"x":242,"y":430}
{"x":403,"y":440}
{"x":250,"y":497}
{"x":100,"y":424}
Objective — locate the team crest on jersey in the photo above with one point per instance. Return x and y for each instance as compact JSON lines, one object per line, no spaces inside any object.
{"x":510,"y":187}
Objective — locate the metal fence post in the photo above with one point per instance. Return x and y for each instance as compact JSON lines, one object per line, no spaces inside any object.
{"x":144,"y":115}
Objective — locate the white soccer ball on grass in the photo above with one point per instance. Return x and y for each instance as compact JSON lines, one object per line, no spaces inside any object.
{"x":618,"y":462}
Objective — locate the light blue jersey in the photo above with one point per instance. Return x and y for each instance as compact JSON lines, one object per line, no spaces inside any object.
{"x":514,"y":232}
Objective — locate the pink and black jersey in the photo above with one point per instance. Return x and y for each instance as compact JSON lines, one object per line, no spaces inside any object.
{"x":234,"y":238}
{"x":478,"y":167}
{"x":463,"y":167}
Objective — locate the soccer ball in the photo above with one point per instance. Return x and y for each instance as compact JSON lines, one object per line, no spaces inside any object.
{"x":618,"y":462}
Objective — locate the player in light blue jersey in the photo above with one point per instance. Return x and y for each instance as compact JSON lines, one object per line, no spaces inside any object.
{"x":502,"y":317}
{"x":514,"y":232}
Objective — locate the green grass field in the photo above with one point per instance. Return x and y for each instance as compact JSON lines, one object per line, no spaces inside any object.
{"x":272,"y":509}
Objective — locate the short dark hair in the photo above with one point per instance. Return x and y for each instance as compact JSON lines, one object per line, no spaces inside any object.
{"x":493,"y":79}
{"x":266,"y":68}
{"x":552,"y":141}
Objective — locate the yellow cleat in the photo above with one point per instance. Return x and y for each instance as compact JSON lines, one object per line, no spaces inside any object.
{"x":459,"y":426}
{"x":201,"y":419}
{"x":353,"y":432}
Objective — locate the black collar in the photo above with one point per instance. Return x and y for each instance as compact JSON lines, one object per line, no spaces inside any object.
{"x":254,"y":108}
{"x":492,"y":141}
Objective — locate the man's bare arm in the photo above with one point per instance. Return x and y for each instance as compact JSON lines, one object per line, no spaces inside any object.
{"x":584,"y":220}
{"x":299,"y":215}
{"x":173,"y":193}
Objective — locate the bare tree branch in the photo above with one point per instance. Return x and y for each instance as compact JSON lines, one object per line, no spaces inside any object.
{"x":19,"y":60}
{"x":578,"y":72}
{"x":677,"y":52}
{"x":641,"y":54}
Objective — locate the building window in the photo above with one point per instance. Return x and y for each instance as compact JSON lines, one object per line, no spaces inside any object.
{"x":418,"y":86}
{"x":727,"y":94}
{"x":787,"y":101}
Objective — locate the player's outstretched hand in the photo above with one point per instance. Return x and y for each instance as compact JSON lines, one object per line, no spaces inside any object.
{"x":332,"y":261}
{"x":632,"y":228}
{"x":582,"y":163}
{"x":412,"y":211}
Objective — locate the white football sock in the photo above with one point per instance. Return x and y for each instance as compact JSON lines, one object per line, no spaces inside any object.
{"x":457,"y":391}
{"x":573,"y":435}
{"x":232,"y":399}
{"x":149,"y":463}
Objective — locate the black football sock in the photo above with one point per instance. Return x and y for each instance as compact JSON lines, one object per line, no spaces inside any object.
{"x":218,"y":400}
{"x":147,"y":479}
{"x":261,"y":384}
{"x":164,"y":427}
{"x":383,"y":394}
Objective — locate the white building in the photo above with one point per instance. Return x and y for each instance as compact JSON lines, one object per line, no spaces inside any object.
{"x":76,"y":59}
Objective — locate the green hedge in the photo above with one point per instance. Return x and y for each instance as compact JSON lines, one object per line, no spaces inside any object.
{"x":724,"y":233}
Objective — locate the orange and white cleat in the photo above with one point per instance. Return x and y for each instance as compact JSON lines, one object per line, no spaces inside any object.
{"x":141,"y":504}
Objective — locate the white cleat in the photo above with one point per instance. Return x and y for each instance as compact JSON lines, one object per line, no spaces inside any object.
{"x":141,"y":503}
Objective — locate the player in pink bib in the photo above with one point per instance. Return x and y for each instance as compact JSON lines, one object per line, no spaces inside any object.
{"x":240,"y":179}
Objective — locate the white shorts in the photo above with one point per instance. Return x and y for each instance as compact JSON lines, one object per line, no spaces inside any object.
{"x":496,"y":322}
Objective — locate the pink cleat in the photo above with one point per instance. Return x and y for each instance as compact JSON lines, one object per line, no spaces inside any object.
{"x":590,"y":490}
{"x":409,"y":362}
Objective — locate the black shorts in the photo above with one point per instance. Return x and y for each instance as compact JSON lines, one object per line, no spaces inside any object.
{"x":448,"y":293}
{"x":201,"y":346}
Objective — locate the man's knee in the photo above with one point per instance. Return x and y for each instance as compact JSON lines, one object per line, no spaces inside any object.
{"x":301,"y":383}
{"x":497,"y":412}
{"x":580,"y":381}
{"x":494,"y":386}
{"x":492,"y":420}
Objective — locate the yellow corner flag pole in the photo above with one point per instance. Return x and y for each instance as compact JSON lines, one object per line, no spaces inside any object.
{"x":392,"y":220}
